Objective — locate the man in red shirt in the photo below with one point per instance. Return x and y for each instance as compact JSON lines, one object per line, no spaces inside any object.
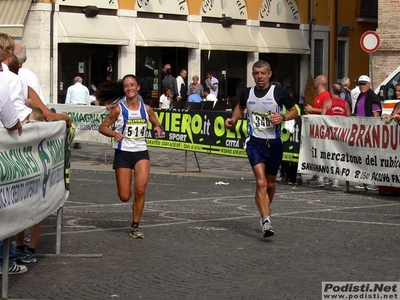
{"x":320,"y":84}
{"x":336,"y":106}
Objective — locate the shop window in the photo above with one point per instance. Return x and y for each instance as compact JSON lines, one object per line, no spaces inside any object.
{"x":94,"y":63}
{"x":149,"y":62}
{"x":318,"y":57}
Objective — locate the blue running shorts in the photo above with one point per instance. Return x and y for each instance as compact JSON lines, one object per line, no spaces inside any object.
{"x":268,"y":152}
{"x":126,"y":159}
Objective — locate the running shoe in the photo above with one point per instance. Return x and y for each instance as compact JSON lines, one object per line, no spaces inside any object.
{"x":26,"y":257}
{"x":317,"y":183}
{"x":335,"y":183}
{"x":371,"y":187}
{"x":360,"y":187}
{"x":266,"y":228}
{"x":312,"y":179}
{"x":327,"y":181}
{"x":15,"y":269}
{"x":136,"y":233}
{"x":299,"y":180}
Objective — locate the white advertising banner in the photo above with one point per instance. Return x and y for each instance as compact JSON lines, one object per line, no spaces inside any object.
{"x":356,"y":149}
{"x":87,"y":119}
{"x":31,"y":175}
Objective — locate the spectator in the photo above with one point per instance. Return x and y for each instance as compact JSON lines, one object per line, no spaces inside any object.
{"x":78,"y":94}
{"x":93,"y":98}
{"x":131,"y":155}
{"x":164,"y":71}
{"x":194,"y":98}
{"x":395,"y":114}
{"x":181,"y":86}
{"x":212,"y":84}
{"x":170,"y":82}
{"x":320,"y":84}
{"x":346,"y":91}
{"x":290,"y":167}
{"x":209,"y":97}
{"x":28,"y":77}
{"x":195,"y":87}
{"x":166,"y":99}
{"x":10,"y":80}
{"x":368,"y":105}
{"x":9,"y":120}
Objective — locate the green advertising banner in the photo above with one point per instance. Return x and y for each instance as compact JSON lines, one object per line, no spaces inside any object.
{"x":204,"y":131}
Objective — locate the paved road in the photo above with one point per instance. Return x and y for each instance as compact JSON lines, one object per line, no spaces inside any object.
{"x":203,"y":240}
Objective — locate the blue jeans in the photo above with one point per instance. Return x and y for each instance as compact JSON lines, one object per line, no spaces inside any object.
{"x":13,"y":254}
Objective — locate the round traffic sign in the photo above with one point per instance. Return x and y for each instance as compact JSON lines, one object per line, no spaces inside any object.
{"x":370,"y":41}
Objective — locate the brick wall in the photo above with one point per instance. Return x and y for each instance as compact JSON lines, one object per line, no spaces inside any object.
{"x":387,"y":58}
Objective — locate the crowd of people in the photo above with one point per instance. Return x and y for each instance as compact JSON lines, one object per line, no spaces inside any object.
{"x":176,"y":90}
{"x":21,"y":102}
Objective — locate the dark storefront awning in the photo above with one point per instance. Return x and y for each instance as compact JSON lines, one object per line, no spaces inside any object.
{"x":276,"y":40}
{"x":235,"y":38}
{"x":12,"y":16}
{"x":104,"y":30}
{"x":164,"y":33}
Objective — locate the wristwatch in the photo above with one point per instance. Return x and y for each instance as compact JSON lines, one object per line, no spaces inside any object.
{"x":283,"y":117}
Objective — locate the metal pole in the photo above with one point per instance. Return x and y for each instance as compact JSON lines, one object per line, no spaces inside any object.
{"x":105,"y":153}
{"x":372,"y":72}
{"x":58,"y":235}
{"x":6,"y":260}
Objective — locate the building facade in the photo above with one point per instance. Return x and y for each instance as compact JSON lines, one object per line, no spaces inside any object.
{"x":387,"y":58}
{"x":106,"y":39}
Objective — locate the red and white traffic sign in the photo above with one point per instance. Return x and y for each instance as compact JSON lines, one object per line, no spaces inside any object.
{"x":370,"y":41}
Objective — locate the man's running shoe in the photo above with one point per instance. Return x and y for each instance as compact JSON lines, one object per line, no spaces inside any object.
{"x":15,"y":269}
{"x":360,"y":187}
{"x":317,"y":183}
{"x":26,"y":257}
{"x":267,"y":229}
{"x":136,"y":233}
{"x":327,"y":181}
{"x":312,"y":179}
{"x":335,"y":183}
{"x":371,"y":187}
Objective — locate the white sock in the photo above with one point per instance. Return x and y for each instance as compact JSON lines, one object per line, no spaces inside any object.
{"x":265,"y":219}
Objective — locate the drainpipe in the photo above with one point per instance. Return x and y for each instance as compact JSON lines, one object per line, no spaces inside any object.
{"x":310,"y":30}
{"x":53,"y":6}
{"x":332,"y":41}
